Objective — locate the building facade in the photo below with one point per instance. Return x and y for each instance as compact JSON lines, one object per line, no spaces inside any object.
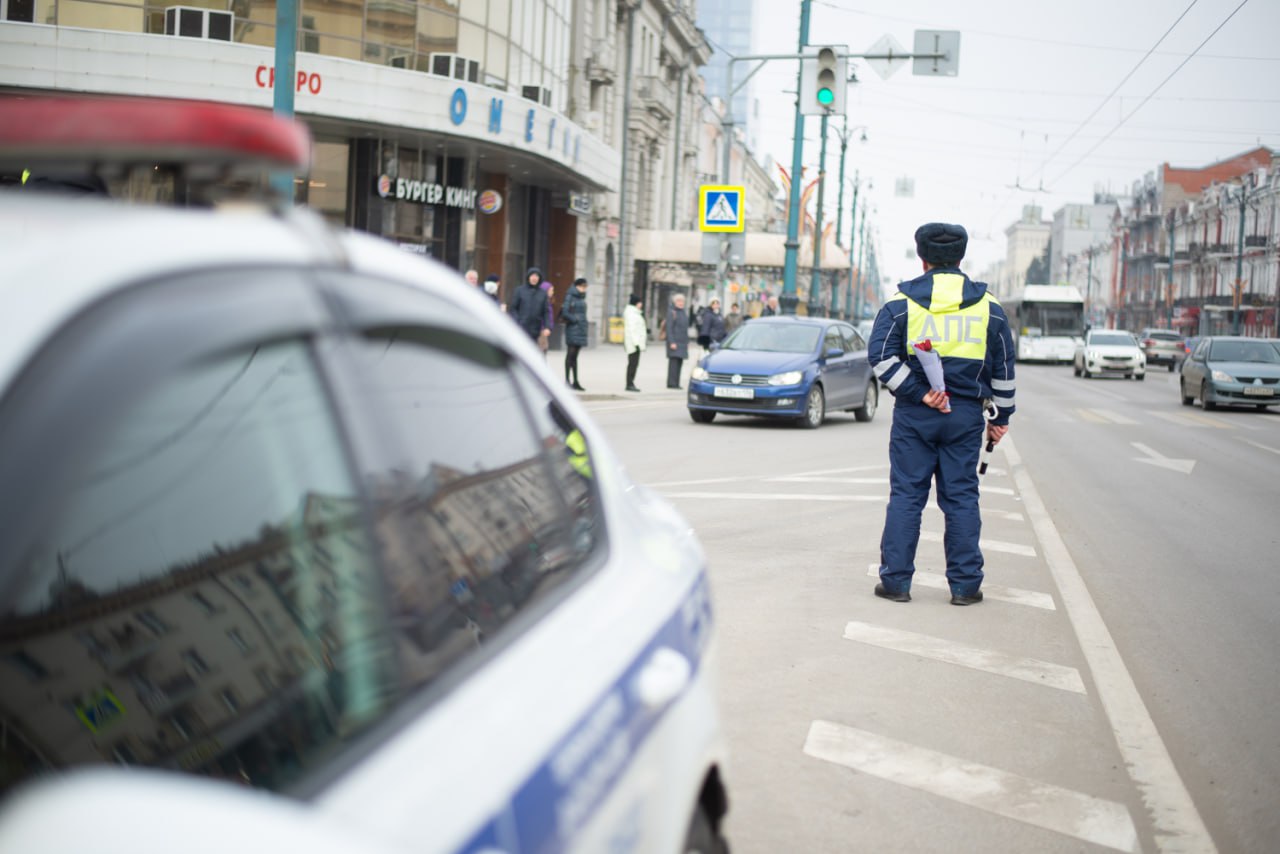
{"x":1223,"y":273}
{"x":1027,"y":239}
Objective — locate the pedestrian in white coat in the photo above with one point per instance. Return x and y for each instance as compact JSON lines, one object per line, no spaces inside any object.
{"x":635,"y":337}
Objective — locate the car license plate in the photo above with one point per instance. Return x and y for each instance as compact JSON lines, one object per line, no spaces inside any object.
{"x":740,"y":393}
{"x":1258,"y":391}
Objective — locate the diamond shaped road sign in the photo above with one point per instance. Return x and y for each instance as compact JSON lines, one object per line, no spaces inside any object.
{"x":883,"y":56}
{"x":720,"y":208}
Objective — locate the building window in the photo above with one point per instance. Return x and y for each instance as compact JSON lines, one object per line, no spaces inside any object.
{"x":204,"y":603}
{"x":153,"y":624}
{"x":124,"y":754}
{"x":28,"y":664}
{"x":229,"y":700}
{"x":195,"y":664}
{"x":20,"y":10}
{"x":238,"y":640}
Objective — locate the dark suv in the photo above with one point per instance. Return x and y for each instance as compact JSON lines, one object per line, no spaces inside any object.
{"x":1162,"y":346}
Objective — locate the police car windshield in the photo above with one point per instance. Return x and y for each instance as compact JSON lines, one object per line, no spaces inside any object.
{"x":775,"y":338}
{"x":1113,"y":339}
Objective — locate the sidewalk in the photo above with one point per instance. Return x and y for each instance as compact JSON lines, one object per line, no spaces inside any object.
{"x":602,"y":371}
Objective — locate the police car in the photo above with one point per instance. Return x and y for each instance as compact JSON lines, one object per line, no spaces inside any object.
{"x":302,"y":547}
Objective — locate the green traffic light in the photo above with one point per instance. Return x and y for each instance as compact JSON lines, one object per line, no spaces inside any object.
{"x":826,"y":97}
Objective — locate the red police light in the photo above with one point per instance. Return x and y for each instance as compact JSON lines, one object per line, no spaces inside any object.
{"x":41,"y":132}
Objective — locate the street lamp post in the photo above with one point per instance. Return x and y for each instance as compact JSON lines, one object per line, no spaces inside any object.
{"x":853,"y":232}
{"x":1169,"y":296}
{"x":815,"y":283}
{"x":1239,"y":285}
{"x":791,"y":263}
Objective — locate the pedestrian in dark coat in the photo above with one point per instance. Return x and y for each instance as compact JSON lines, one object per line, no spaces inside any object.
{"x":574,"y":314}
{"x":712,"y":329}
{"x":677,"y":331}
{"x":530,"y":308}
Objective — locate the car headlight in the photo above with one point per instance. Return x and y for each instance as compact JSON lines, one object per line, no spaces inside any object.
{"x":699,"y":373}
{"x":1091,"y":355}
{"x":1223,"y":377}
{"x":789,"y":378}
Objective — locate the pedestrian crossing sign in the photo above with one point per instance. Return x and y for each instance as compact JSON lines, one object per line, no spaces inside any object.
{"x":720,"y":208}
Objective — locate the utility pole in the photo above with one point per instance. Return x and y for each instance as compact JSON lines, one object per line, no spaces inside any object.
{"x":282,"y":89}
{"x":1239,"y":295}
{"x":850,"y":305}
{"x":862,"y":249}
{"x":1169,"y":297}
{"x":815,"y":297}
{"x":844,"y":144}
{"x":1088,"y":291}
{"x":791,"y":263}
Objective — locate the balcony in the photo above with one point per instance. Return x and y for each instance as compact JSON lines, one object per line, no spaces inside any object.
{"x":1255,"y":240}
{"x":656,"y":96}
{"x":600,"y":66}
{"x":168,"y":695}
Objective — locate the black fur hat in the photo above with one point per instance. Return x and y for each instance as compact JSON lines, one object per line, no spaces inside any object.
{"x":941,"y":243}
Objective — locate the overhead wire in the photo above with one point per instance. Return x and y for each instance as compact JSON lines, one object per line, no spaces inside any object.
{"x":1161,"y":85}
{"x":1117,"y":88}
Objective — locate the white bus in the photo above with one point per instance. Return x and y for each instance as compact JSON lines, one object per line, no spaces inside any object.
{"x":1047,"y":322}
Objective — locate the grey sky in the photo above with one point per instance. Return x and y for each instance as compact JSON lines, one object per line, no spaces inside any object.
{"x":1017,"y":115}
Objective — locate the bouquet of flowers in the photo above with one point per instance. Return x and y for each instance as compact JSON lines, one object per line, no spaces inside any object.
{"x":932,"y":364}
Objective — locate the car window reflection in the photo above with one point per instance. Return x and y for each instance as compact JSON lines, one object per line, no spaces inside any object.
{"x":205,"y":600}
{"x":476,"y":512}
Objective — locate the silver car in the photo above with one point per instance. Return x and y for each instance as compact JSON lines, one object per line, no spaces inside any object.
{"x":1232,"y":370}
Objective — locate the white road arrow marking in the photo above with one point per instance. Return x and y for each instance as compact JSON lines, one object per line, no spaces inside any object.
{"x":1156,"y":459}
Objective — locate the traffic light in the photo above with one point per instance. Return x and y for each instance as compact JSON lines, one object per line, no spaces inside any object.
{"x":824,"y":80}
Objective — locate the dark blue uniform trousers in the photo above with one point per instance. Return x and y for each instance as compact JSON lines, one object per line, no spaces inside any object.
{"x":925,"y":444}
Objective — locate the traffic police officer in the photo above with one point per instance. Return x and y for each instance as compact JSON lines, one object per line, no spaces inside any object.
{"x":969,"y":330}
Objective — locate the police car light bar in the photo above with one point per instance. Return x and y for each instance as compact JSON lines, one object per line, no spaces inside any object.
{"x":40,"y":132}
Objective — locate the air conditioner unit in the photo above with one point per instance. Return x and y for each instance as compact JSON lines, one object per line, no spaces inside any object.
{"x":198,"y":23}
{"x":400,"y":60}
{"x":537,"y":94}
{"x":455,"y":66}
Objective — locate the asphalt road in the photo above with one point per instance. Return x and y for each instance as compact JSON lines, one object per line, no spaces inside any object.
{"x":1117,"y":689}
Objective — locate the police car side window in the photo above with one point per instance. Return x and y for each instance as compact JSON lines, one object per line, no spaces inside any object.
{"x":569,"y":460}
{"x":470,"y":503}
{"x":204,"y":596}
{"x":852,"y":340}
{"x":833,"y":339}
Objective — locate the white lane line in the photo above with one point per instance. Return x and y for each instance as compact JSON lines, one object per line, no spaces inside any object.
{"x":976,"y":658}
{"x":1105,"y":416}
{"x":1088,"y":415}
{"x":774,"y":496}
{"x":987,"y":545}
{"x":879,"y":481}
{"x":1177,"y":823}
{"x":1023,"y":799}
{"x":1013,"y":595}
{"x":995,"y":490}
{"x":1003,"y":514}
{"x":704,"y":481}
{"x":1192,"y":419}
{"x":1261,"y":446}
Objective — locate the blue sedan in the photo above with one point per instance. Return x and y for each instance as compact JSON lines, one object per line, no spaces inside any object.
{"x":786,"y":367}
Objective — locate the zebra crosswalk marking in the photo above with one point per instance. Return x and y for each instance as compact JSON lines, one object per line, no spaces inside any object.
{"x":983,"y":787}
{"x":1031,"y":670}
